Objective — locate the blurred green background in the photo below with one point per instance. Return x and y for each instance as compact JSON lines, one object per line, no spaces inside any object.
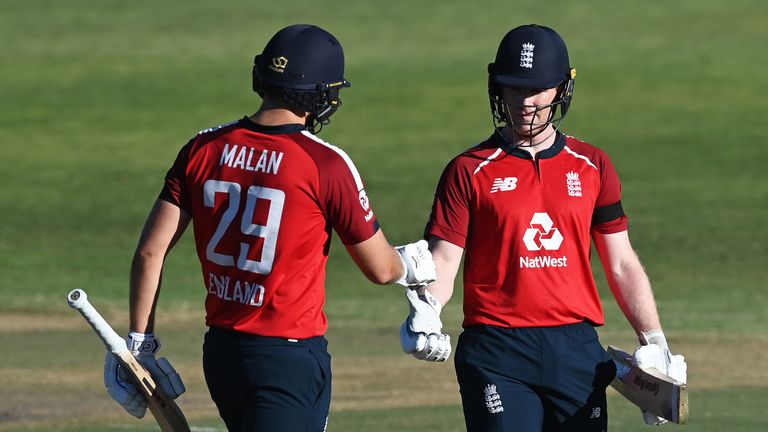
{"x":97,"y":97}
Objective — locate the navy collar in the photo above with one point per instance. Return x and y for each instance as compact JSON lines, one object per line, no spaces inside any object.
{"x":497,"y":140}
{"x":249,"y":124}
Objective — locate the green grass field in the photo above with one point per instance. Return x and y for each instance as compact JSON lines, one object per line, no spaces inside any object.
{"x":97,"y":97}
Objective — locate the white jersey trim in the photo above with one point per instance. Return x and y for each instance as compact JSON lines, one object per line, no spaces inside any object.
{"x":578,"y":156}
{"x":215,"y":128}
{"x":340,"y":152}
{"x":487,"y":160}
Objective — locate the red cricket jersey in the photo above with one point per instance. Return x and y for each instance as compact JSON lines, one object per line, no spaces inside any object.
{"x":263,"y":201}
{"x":525,"y":225}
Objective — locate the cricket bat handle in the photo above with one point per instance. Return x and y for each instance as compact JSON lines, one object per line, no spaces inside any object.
{"x":168,"y":415}
{"x":78,"y":299}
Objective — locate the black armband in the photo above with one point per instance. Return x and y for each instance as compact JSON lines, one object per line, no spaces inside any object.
{"x":607,"y":213}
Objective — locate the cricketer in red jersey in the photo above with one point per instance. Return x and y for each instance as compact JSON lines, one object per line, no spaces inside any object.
{"x":523,"y":206}
{"x":264,"y":200}
{"x":264,"y":195}
{"x":542,"y":242}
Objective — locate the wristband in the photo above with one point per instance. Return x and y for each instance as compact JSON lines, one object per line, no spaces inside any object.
{"x":655,"y":337}
{"x":143,"y":343}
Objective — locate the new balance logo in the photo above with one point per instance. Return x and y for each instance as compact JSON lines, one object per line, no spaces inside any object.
{"x":504,"y":184}
{"x":595,"y":413}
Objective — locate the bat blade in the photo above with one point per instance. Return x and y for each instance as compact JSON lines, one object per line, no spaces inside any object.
{"x":167,"y":414}
{"x":649,"y":389}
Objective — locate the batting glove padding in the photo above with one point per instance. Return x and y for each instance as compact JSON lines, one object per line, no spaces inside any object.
{"x":421,"y":333}
{"x":419,"y":266}
{"x":659,"y":357}
{"x":143,"y":347}
{"x":121,"y":390}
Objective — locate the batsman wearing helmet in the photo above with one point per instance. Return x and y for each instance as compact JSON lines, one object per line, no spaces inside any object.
{"x":264,"y":194}
{"x":523,"y":207}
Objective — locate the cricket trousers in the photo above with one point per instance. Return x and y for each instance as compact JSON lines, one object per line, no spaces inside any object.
{"x":266,"y":383}
{"x":533,"y":379}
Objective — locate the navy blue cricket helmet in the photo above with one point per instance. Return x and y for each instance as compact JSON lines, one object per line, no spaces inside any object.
{"x":531,"y":57}
{"x":306,"y":64}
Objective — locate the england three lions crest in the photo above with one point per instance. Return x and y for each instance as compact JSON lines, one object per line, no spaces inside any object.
{"x":573,"y":183}
{"x":526,"y":55}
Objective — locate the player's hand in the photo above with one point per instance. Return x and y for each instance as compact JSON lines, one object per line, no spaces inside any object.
{"x":143,"y":347}
{"x":419,"y":266}
{"x":421,"y":333}
{"x":121,"y":390}
{"x":656,"y":355}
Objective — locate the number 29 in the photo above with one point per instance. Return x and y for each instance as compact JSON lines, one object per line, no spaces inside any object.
{"x":269,"y":231}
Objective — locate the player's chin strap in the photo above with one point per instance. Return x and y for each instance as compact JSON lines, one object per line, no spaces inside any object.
{"x":519,"y":140}
{"x":529,"y":139}
{"x":510,"y":145}
{"x":500,"y":114}
{"x":328,"y":102}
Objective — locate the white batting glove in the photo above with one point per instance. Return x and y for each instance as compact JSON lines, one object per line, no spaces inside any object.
{"x":420,"y":334}
{"x":143,"y":347}
{"x":419,"y":266}
{"x":655,"y":354}
{"x":121,"y":390}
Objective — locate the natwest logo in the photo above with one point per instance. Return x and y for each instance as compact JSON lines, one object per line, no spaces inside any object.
{"x":542,"y":234}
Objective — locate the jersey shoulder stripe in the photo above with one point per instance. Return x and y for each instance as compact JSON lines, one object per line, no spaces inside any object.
{"x":580,"y":156}
{"x":216,"y":128}
{"x":208,"y":135}
{"x":487,"y":160}
{"x":342,"y":154}
{"x":594,"y":156}
{"x":474,"y":158}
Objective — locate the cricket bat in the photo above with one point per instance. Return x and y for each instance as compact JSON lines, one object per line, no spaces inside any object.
{"x":649,"y":389}
{"x":166,"y":412}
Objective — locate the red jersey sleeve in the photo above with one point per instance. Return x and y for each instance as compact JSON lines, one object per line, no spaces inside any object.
{"x":449,"y":219}
{"x":342,"y":193}
{"x":174,"y":190}
{"x":609,"y":215}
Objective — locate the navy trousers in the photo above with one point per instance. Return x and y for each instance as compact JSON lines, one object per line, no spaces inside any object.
{"x":533,"y":379}
{"x":266,"y":383}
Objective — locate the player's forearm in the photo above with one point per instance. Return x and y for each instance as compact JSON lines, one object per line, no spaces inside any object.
{"x":165,"y":225}
{"x":390,"y":270}
{"x":442,"y":288}
{"x":386,"y":268}
{"x":447,"y":257}
{"x":146,"y":271}
{"x":632,"y":289}
{"x":377,"y":259}
{"x":628,"y":280}
{"x":442,"y":291}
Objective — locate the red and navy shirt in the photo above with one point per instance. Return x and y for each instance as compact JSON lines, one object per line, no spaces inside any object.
{"x":263,"y":202}
{"x":525,"y":224}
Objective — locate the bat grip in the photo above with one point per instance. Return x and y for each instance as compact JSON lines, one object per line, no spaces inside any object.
{"x":79,"y":300}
